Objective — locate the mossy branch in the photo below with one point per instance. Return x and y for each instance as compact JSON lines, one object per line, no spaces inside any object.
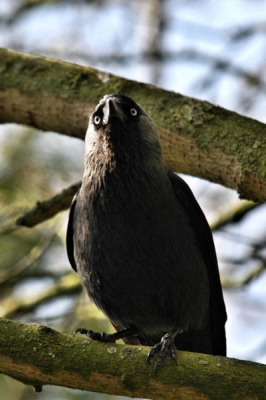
{"x":198,"y":138}
{"x":38,"y":356}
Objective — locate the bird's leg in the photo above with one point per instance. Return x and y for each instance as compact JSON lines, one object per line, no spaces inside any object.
{"x":104,"y":337}
{"x":167,"y":343}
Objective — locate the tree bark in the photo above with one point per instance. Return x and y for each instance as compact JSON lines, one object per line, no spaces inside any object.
{"x":198,"y":138}
{"x":38,"y":356}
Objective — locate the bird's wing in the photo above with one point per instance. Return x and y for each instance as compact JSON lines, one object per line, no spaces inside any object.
{"x":69,"y":236}
{"x":204,"y":236}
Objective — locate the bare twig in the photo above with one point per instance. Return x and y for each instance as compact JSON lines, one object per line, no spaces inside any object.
{"x":49,"y":208}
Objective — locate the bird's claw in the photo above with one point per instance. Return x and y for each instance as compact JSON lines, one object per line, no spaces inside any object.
{"x":102,"y":337}
{"x":154,"y":350}
{"x":82,"y":331}
{"x":166,"y":343}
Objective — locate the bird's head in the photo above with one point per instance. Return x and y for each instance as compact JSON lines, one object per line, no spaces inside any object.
{"x":120,"y":131}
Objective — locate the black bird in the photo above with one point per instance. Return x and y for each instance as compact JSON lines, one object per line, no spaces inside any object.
{"x":140,"y":242}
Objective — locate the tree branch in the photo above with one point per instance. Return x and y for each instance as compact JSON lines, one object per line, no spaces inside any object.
{"x":38,"y":355}
{"x":49,"y":208}
{"x":233,"y":214}
{"x":68,"y":284}
{"x":198,"y":138}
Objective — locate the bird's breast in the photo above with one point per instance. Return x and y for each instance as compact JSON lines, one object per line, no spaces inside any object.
{"x":139,"y":253}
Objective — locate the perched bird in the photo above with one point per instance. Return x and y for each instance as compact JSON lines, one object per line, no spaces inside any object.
{"x":140,"y":242}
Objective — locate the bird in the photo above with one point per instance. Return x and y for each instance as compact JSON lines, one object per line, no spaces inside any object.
{"x":140,"y":242}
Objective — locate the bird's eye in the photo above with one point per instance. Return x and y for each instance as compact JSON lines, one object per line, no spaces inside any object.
{"x":96,"y":120}
{"x":133,"y":112}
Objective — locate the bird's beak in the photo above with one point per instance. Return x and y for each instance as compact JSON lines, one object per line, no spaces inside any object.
{"x":112,"y":110}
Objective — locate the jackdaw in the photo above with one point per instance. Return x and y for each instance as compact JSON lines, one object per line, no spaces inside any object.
{"x":140,"y":242}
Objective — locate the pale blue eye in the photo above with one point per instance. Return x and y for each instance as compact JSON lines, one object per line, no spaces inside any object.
{"x":133,"y":112}
{"x":96,"y":120}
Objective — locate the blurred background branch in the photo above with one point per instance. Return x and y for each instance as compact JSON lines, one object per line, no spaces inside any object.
{"x":49,"y":208}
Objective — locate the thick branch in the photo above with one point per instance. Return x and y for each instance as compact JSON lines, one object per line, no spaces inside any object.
{"x":198,"y":138}
{"x":38,"y":356}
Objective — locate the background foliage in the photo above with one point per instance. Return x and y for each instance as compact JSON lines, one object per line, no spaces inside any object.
{"x":201,"y":48}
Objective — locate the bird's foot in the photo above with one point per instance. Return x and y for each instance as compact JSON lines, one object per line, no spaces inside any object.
{"x":166,"y":343}
{"x":102,"y":337}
